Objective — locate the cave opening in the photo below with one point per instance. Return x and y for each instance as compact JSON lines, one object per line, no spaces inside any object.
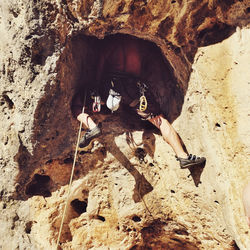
{"x":83,"y":65}
{"x":136,"y":218}
{"x":39,"y":185}
{"x":128,"y":57}
{"x":82,"y":68}
{"x":79,"y":206}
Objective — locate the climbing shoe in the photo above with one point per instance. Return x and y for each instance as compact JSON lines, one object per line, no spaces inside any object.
{"x":191,"y":161}
{"x":89,"y":136}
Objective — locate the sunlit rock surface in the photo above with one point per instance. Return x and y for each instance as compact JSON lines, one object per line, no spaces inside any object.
{"x":128,"y":191}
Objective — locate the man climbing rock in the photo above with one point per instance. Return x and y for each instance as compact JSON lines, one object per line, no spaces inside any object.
{"x":119,"y":78}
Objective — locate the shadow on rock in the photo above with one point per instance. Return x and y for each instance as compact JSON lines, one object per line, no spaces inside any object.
{"x":196,"y":172}
{"x":142,"y":186}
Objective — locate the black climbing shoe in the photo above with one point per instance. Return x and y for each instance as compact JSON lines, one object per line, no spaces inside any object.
{"x":89,"y":136}
{"x":191,"y":161}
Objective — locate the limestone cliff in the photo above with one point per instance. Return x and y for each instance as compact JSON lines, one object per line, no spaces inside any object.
{"x":128,"y":191}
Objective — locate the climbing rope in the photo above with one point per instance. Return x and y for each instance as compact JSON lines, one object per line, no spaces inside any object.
{"x":143,"y":106}
{"x":71,"y":177}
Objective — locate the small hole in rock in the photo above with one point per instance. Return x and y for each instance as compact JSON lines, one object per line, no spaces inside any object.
{"x":79,"y":206}
{"x":177,"y":50}
{"x":248,"y":10}
{"x":217,"y":202}
{"x":177,"y":240}
{"x":120,"y":8}
{"x":173,"y":1}
{"x":83,"y":152}
{"x":134,"y":247}
{"x":68,"y":160}
{"x":8,"y":101}
{"x":172,"y":191}
{"x":99,"y":217}
{"x":39,"y":186}
{"x":217,"y":124}
{"x":16,"y":218}
{"x":49,"y":161}
{"x":136,"y":218}
{"x":42,"y":178}
{"x":28,"y":226}
{"x":181,"y":232}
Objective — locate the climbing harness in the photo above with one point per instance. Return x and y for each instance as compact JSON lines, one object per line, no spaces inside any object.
{"x":143,"y":100}
{"x":96,"y":107}
{"x":71,"y":177}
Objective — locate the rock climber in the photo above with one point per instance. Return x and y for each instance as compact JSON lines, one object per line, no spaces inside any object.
{"x":118,"y":78}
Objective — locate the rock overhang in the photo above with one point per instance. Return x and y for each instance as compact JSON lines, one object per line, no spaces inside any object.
{"x":177,"y":34}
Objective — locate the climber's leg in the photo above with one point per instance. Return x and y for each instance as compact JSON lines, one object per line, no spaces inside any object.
{"x":92,"y":132}
{"x":169,"y":135}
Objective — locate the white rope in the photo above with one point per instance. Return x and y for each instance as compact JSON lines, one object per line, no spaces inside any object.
{"x":71,"y":178}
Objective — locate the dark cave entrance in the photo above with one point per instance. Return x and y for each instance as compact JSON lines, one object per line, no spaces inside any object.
{"x":40,"y":185}
{"x":76,"y":72}
{"x":143,"y":59}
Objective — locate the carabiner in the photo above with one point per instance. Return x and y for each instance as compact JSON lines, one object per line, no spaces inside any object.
{"x":96,"y":107}
{"x":143,"y":103}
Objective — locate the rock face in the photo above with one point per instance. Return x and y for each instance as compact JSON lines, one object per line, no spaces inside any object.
{"x":128,"y":191}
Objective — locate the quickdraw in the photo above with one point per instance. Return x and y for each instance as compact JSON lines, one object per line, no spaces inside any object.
{"x":96,"y":107}
{"x":143,"y":100}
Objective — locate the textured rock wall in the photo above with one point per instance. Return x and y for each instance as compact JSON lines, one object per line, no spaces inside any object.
{"x":128,"y":191}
